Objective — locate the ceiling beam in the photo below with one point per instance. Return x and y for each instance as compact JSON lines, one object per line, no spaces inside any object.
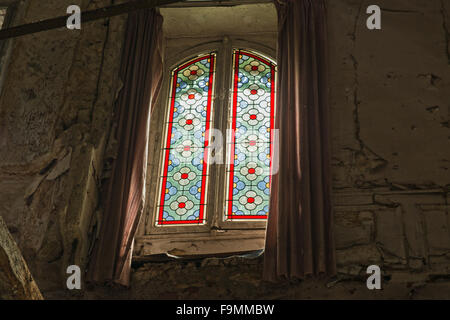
{"x":217,"y":3}
{"x":86,"y":16}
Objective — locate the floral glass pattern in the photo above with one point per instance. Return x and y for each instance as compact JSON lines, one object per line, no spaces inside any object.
{"x":184,"y":176}
{"x":250,"y":146}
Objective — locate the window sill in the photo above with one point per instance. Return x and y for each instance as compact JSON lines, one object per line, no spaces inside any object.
{"x":236,"y":258}
{"x":197,"y":244}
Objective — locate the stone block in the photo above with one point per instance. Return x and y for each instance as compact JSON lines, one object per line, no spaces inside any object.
{"x":437,"y":230}
{"x":360,"y":255}
{"x":389,"y":232}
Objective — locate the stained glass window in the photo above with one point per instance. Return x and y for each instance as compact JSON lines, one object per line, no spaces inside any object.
{"x":250,"y":147}
{"x":184,"y":177}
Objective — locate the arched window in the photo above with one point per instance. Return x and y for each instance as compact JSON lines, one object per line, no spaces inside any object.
{"x":184,"y":173}
{"x":210,"y":153}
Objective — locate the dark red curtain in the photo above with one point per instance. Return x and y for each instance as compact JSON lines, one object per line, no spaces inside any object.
{"x":299,"y":239}
{"x":141,"y":74}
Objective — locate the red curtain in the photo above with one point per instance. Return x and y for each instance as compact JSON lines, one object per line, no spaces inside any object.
{"x":299,"y":239}
{"x":141,"y":74}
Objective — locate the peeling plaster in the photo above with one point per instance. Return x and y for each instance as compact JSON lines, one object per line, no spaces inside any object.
{"x":446,"y":30}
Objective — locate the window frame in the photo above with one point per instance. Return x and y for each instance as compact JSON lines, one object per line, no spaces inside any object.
{"x":158,"y":157}
{"x":152,"y":239}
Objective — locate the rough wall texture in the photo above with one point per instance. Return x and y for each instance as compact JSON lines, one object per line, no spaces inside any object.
{"x":55,"y":111}
{"x":390,"y":95}
{"x":239,"y":278}
{"x":390,"y":102}
{"x":16,"y":281}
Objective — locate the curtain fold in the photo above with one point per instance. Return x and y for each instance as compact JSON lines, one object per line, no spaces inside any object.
{"x":141,"y":74}
{"x":299,"y":240}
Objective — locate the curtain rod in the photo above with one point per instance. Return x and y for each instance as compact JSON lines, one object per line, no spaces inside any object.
{"x":92,"y":15}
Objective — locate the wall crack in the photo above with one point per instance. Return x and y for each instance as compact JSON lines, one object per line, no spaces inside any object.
{"x":363,"y":148}
{"x":446,"y":31}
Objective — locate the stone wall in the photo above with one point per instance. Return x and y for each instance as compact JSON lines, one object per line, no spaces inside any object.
{"x":390,"y":105}
{"x":55,"y":111}
{"x":390,"y":95}
{"x":16,"y":282}
{"x":240,"y":278}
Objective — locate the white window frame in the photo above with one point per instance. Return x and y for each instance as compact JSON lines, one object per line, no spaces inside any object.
{"x":216,"y":236}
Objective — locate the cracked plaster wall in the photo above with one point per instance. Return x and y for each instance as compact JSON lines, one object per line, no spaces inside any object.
{"x":55,"y":111}
{"x":390,"y":94}
{"x":390,"y":105}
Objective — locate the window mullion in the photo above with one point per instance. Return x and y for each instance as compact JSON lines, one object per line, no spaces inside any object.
{"x":221,"y":109}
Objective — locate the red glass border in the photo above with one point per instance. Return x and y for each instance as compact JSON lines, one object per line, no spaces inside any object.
{"x":237,"y":53}
{"x":200,"y":220}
